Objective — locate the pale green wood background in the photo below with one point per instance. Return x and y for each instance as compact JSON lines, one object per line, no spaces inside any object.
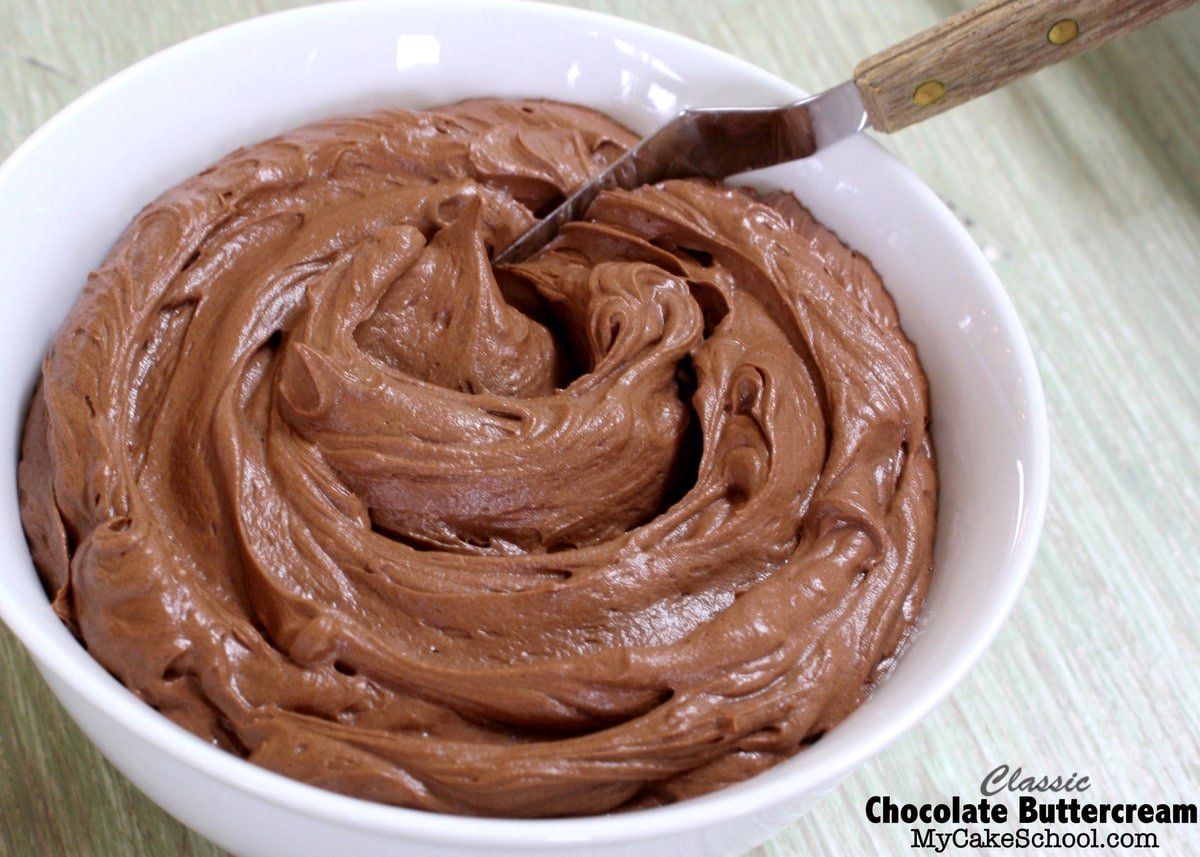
{"x":1082,"y":186}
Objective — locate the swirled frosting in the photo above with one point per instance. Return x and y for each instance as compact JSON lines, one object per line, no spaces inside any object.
{"x":619,"y":525}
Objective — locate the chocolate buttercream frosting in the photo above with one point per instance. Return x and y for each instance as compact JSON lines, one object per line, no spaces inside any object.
{"x":627,"y":522}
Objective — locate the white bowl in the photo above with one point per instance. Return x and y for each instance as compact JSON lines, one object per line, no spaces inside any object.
{"x":70,"y":189}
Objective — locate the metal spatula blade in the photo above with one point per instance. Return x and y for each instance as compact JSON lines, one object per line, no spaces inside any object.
{"x":965,"y":56}
{"x":711,"y":142}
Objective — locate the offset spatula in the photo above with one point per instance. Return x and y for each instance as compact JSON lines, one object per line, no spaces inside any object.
{"x":967,"y":55}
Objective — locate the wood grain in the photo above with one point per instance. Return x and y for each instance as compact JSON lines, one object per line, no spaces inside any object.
{"x":1088,"y":205}
{"x":987,"y":46}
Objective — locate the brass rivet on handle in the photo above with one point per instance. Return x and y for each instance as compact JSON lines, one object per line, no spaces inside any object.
{"x":1062,"y":31}
{"x":929,"y":92}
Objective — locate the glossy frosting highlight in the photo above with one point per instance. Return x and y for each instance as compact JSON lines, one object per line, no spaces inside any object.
{"x":627,"y":522}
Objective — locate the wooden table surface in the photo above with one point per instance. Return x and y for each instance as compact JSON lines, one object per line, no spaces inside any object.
{"x":1082,"y":186}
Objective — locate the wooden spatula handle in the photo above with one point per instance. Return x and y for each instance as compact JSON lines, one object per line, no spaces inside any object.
{"x":987,"y":46}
